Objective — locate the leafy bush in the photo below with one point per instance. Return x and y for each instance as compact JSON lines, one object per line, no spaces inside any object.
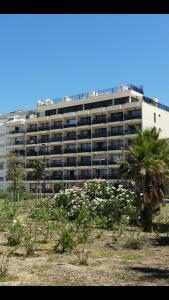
{"x":114,"y":205}
{"x":7,"y":213}
{"x":16,"y":230}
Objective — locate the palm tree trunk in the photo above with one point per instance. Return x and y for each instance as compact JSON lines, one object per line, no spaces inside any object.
{"x":148,"y":218}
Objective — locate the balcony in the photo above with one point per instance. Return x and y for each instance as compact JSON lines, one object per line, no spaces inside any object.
{"x":32,"y":129}
{"x":99,"y":162}
{"x":56,"y":139}
{"x":113,"y":162}
{"x":43,"y":128}
{"x":43,"y":153}
{"x":100,"y":176}
{"x":70,"y":125}
{"x":131,"y":131}
{"x":70,"y":164}
{"x":84,"y":136}
{"x":115,"y":133}
{"x":56,"y":177}
{"x":29,"y":142}
{"x":31,"y":177}
{"x":16,"y":131}
{"x":86,"y":177}
{"x":84,"y":163}
{"x":55,"y":165}
{"x":133,"y":117}
{"x":84,"y":150}
{"x":69,"y":150}
{"x":116,"y":147}
{"x":115,"y":119}
{"x":59,"y":151}
{"x":69,"y":138}
{"x":47,"y":191}
{"x":29,"y":166}
{"x":43,"y":141}
{"x":83,"y":123}
{"x":72,"y":177}
{"x":59,"y":126}
{"x":100,"y":120}
{"x":99,"y":148}
{"x":113,"y":176}
{"x":32,"y":153}
{"x":99,"y":134}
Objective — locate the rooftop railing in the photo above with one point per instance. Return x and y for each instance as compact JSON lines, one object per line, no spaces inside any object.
{"x":121,"y":88}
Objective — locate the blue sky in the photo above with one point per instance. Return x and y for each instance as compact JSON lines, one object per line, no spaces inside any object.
{"x":48,"y":56}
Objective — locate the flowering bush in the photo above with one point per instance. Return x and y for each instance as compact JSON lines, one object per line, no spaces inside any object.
{"x":113,"y":204}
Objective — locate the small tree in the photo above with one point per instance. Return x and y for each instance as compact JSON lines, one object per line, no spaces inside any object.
{"x":38,"y":172}
{"x":15,"y":173}
{"x":149,"y":168}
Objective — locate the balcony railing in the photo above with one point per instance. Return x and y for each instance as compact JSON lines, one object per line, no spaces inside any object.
{"x":59,"y":151}
{"x":31,"y":142}
{"x":32,"y":129}
{"x":41,"y":141}
{"x":98,"y":121}
{"x":115,"y":133}
{"x":84,"y":136}
{"x":99,"y":162}
{"x":69,"y":150}
{"x":84,"y":177}
{"x":32,"y":153}
{"x":115,"y":119}
{"x":43,"y":153}
{"x":56,"y":177}
{"x":56,"y":139}
{"x":16,"y":131}
{"x":70,"y":125}
{"x":31,"y":177}
{"x":83,"y":123}
{"x":56,"y":126}
{"x":70,"y":164}
{"x":84,"y":163}
{"x":54,"y":164}
{"x":42,"y":128}
{"x":69,"y":138}
{"x":133,"y":117}
{"x":131,"y":131}
{"x":99,"y":134}
{"x":70,"y":177}
{"x":99,"y":148}
{"x":113,"y":176}
{"x":113,"y":162}
{"x":84,"y":150}
{"x":117,"y":147}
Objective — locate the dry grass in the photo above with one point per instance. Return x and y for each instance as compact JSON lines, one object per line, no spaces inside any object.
{"x":107,"y":266}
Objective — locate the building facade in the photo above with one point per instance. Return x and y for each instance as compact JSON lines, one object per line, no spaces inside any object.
{"x":80,"y":137}
{"x":86,"y":136}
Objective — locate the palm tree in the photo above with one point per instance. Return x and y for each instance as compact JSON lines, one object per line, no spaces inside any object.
{"x":148,"y":166}
{"x":38,"y":172}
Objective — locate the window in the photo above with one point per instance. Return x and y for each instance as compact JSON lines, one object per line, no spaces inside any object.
{"x":1,"y":179}
{"x":50,"y":112}
{"x":121,"y":100}
{"x":70,"y":109}
{"x":154,"y":117}
{"x":98,"y":104}
{"x":71,"y":121}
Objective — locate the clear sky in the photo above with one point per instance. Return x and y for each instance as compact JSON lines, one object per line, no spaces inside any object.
{"x":48,"y":56}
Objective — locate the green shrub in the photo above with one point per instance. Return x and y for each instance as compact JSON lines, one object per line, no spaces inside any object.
{"x":134,"y":242}
{"x":16,"y":230}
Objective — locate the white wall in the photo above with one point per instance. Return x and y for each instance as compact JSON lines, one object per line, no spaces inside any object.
{"x":162,"y":118}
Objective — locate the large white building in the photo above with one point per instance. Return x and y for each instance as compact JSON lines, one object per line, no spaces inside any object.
{"x":83,"y":136}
